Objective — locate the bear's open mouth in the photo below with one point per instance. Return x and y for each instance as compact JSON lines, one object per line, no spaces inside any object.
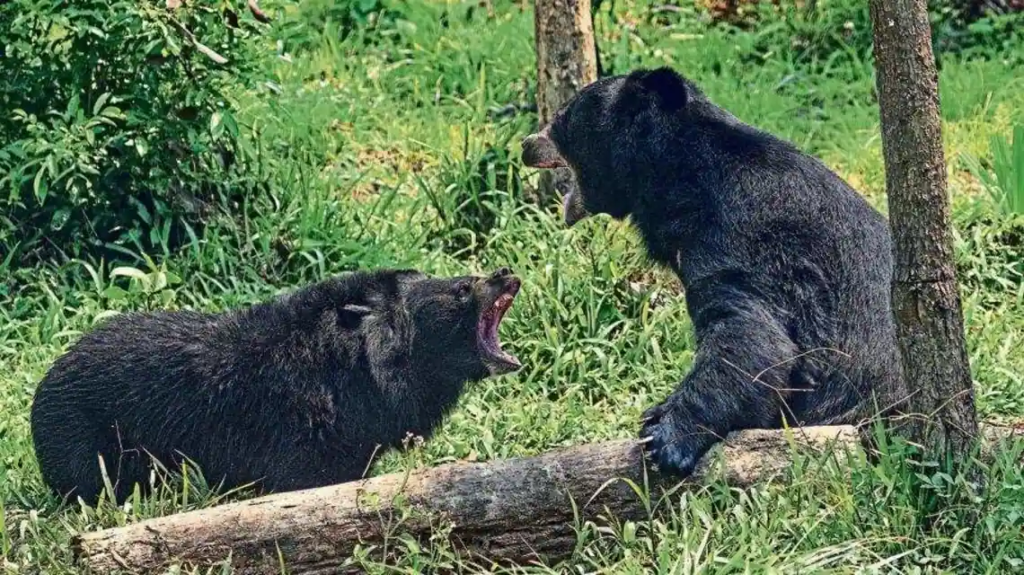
{"x":497,"y":360}
{"x":539,"y":151}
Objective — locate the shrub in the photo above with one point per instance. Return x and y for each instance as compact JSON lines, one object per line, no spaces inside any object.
{"x":307,"y":24}
{"x":821,"y":34}
{"x":116,"y":120}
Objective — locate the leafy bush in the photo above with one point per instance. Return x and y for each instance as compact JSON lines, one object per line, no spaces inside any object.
{"x":116,"y":120}
{"x":820,"y":35}
{"x":954,"y":32}
{"x":307,"y":24}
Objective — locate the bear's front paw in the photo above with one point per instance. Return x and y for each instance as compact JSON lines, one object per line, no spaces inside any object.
{"x":674,"y":443}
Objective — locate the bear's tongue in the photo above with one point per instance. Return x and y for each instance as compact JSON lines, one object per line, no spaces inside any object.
{"x":572,"y":208}
{"x":487,"y":332}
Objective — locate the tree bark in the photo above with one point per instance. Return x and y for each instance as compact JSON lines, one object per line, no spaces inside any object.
{"x":939,"y":414}
{"x":515,"y":510}
{"x":566,"y":62}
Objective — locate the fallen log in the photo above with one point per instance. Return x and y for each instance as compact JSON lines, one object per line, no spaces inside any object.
{"x":517,"y":510}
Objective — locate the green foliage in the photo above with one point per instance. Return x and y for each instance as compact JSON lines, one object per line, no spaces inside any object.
{"x":470,"y":192}
{"x":991,"y":254}
{"x":830,"y":35}
{"x":995,"y":35}
{"x":1005,"y":182}
{"x":308,"y":24}
{"x":116,"y":121}
{"x":991,"y":234}
{"x":395,"y":143}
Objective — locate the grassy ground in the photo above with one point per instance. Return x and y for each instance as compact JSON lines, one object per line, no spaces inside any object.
{"x":371,"y":148}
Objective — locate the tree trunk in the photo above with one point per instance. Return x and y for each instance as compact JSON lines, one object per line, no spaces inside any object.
{"x":566,"y":62}
{"x":515,"y":510}
{"x":926,"y":300}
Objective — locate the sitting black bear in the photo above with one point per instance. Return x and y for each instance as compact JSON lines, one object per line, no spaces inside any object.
{"x":786,"y":268}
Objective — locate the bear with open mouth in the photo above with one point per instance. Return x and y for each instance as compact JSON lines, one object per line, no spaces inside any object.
{"x":786,"y":268}
{"x":299,"y":392}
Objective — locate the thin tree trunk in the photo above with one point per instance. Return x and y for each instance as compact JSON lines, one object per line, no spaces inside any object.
{"x":566,"y":62}
{"x":926,"y":300}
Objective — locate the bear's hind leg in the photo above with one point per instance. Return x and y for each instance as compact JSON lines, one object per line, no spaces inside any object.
{"x":72,"y":468}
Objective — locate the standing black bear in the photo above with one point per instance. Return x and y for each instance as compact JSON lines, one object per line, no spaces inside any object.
{"x":291,"y":394}
{"x":786,"y":268}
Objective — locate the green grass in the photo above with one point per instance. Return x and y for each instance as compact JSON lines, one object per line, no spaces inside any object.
{"x":369,"y":150}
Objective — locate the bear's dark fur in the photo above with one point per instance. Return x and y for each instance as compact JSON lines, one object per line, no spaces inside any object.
{"x":291,"y":394}
{"x":786,"y":268}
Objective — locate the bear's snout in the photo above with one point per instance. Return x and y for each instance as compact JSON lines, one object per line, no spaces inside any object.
{"x":540,"y":152}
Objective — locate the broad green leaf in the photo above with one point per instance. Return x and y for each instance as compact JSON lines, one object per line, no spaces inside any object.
{"x":100,"y":102}
{"x":114,"y":293}
{"x":130,"y":272}
{"x":73,"y":105}
{"x":216,"y":126}
{"x":230,"y":125}
{"x":108,"y":313}
{"x":40,"y":186}
{"x":160,"y":281}
{"x":166,"y":297}
{"x":112,"y":112}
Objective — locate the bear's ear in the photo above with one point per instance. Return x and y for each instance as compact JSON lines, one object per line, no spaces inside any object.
{"x":666,"y":84}
{"x":352,"y":315}
{"x":409,"y":275}
{"x":356,"y":309}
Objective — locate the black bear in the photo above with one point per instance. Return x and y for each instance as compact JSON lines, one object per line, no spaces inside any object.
{"x":299,"y":392}
{"x":785,"y":268}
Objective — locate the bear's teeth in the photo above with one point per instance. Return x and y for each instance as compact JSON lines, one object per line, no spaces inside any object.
{"x":502,"y":302}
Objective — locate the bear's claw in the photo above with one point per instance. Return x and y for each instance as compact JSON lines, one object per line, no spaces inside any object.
{"x":672,"y":443}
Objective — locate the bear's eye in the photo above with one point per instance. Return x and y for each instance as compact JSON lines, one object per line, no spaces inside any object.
{"x":462,"y":289}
